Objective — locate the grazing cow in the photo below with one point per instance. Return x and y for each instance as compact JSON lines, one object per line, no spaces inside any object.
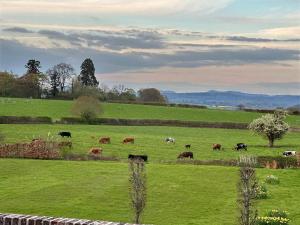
{"x":170,"y":140}
{"x":241,"y":146}
{"x":138,"y":157}
{"x":95,"y":151}
{"x":104,"y":140}
{"x":128,"y":140}
{"x":185,"y":155}
{"x":188,"y":146}
{"x":289,"y":153}
{"x":216,"y":147}
{"x":65,"y":134}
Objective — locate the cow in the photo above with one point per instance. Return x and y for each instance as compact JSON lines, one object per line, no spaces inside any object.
{"x":95,"y":151}
{"x":216,"y":147}
{"x":289,"y":153}
{"x":241,"y":146}
{"x":188,"y":146}
{"x":170,"y":140}
{"x":185,"y":155}
{"x":104,"y":140}
{"x":65,"y":134}
{"x":138,"y":157}
{"x":128,"y":140}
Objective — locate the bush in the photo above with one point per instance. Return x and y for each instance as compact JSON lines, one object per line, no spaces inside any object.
{"x":272,"y":221}
{"x":271,"y":179}
{"x":87,"y":107}
{"x":282,"y":162}
{"x":278,"y":213}
{"x":261,"y":192}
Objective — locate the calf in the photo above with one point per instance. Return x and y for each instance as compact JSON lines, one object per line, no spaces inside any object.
{"x":216,"y":147}
{"x":65,"y":134}
{"x":138,"y":157}
{"x":128,"y":140}
{"x":187,"y":146}
{"x":289,"y":153}
{"x":185,"y":155}
{"x":241,"y":146}
{"x":95,"y":151}
{"x":104,"y":140}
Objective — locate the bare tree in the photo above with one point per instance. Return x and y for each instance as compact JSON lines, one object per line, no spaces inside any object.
{"x":138,"y":189}
{"x":247,"y":191}
{"x":65,"y":72}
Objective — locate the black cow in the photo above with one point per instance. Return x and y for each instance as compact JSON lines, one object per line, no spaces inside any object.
{"x":241,"y":146}
{"x":187,"y":146}
{"x":65,"y":134}
{"x":138,"y":157}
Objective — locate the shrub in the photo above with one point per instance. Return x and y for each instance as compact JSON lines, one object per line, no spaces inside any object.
{"x":282,"y":162}
{"x":278,"y":213}
{"x":87,"y":107}
{"x":261,"y":192}
{"x":271,"y":179}
{"x":272,"y":221}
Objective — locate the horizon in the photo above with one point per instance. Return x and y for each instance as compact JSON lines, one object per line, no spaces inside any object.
{"x":247,"y":46}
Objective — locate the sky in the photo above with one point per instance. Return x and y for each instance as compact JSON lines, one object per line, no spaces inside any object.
{"x":176,"y":45}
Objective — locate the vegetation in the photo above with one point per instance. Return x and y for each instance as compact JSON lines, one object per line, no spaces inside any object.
{"x":271,"y":179}
{"x":247,"y":186}
{"x":138,"y":188}
{"x":87,"y":74}
{"x":87,"y":107}
{"x":59,"y":108}
{"x":151,"y":95}
{"x":270,"y":126}
{"x":150,"y":140}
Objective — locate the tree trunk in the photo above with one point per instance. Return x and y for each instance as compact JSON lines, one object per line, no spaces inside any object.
{"x":271,"y":142}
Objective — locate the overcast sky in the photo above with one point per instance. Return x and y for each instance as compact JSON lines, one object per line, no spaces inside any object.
{"x":180,"y":45}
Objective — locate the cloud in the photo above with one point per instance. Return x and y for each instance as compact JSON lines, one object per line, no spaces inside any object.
{"x":116,"y":6}
{"x":251,"y":39}
{"x":17,"y":30}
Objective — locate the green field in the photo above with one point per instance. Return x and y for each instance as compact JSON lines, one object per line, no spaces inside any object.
{"x":57,"y":109}
{"x":150,"y":140}
{"x":177,"y":194}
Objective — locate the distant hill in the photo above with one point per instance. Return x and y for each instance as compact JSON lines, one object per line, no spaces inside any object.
{"x":233,"y":99}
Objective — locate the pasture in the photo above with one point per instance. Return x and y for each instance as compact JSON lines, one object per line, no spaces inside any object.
{"x":57,"y":109}
{"x":150,"y":140}
{"x":177,"y":194}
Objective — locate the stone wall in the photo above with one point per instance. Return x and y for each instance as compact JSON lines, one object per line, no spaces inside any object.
{"x":16,"y":219}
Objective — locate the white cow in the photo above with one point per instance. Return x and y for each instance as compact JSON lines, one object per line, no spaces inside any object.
{"x":289,"y":153}
{"x":170,"y":140}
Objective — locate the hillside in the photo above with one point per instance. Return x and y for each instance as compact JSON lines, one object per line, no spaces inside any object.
{"x":233,"y":99}
{"x":57,"y":109}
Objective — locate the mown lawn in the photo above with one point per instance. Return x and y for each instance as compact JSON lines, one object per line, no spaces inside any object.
{"x":150,"y":140}
{"x":177,"y":194}
{"x":57,"y":109}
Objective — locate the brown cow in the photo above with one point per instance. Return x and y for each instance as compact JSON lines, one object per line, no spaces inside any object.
{"x":128,"y":140}
{"x":104,"y":140}
{"x":185,"y":155}
{"x":216,"y":147}
{"x":95,"y":151}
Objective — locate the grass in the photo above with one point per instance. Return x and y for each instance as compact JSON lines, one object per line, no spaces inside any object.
{"x":177,"y":194}
{"x":150,"y":140}
{"x":58,"y":108}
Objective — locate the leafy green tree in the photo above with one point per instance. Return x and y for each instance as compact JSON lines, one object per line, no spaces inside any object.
{"x":270,"y":126}
{"x":87,"y":107}
{"x":87,"y":74}
{"x":33,"y":66}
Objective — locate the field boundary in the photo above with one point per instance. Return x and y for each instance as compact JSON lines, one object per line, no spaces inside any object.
{"x":127,"y":122}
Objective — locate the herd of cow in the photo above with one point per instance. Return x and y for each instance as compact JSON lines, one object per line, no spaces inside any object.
{"x":182,"y":155}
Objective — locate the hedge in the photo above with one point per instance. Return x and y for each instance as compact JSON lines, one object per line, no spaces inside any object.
{"x":281,"y":161}
{"x":147,"y":122}
{"x":24,"y":119}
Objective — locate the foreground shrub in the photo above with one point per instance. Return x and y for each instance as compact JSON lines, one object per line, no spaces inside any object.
{"x":277,"y":213}
{"x":261,"y":192}
{"x":272,"y":221}
{"x":271,"y":179}
{"x":281,"y":162}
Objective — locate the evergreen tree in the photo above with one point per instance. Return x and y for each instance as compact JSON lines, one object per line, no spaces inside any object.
{"x":87,"y":74}
{"x":33,"y":66}
{"x":54,"y":79}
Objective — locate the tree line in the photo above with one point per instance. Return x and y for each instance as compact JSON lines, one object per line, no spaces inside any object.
{"x":62,"y":82}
